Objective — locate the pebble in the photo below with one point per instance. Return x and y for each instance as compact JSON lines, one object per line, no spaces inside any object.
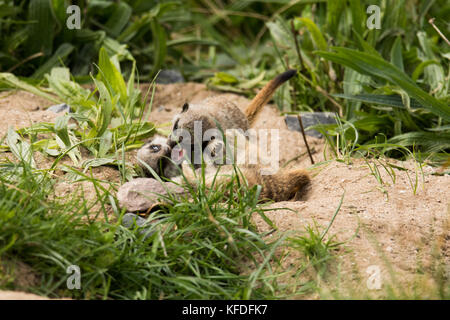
{"x":57,"y":108}
{"x":309,"y":119}
{"x":129,"y":219}
{"x":142,"y":194}
{"x":169,"y":76}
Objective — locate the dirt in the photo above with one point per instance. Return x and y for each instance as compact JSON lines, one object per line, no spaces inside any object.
{"x":388,"y":226}
{"x":17,"y":295}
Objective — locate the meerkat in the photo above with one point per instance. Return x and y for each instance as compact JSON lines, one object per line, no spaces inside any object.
{"x":214,"y":112}
{"x":219,"y":113}
{"x":210,"y":112}
{"x":281,"y":186}
{"x":157,"y":154}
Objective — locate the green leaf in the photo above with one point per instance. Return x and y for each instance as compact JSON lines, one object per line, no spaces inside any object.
{"x":110,"y":74}
{"x":106,"y":107}
{"x":61,"y":129}
{"x":192,"y":41}
{"x":119,"y":18}
{"x":374,"y":66}
{"x":281,"y":33}
{"x":70,"y":91}
{"x":105,"y":144}
{"x":253,"y":82}
{"x":420,"y":68}
{"x":380,"y":99}
{"x":434,"y":74}
{"x":316,"y":35}
{"x":364,"y":45}
{"x":223,"y":77}
{"x":60,"y":55}
{"x":334,"y":12}
{"x":353,"y":84}
{"x":358,"y":16}
{"x":42,"y":27}
{"x":432,"y":142}
{"x":97,"y":162}
{"x":396,"y":54}
{"x":159,"y":45}
{"x":21,"y":149}
{"x":11,"y":80}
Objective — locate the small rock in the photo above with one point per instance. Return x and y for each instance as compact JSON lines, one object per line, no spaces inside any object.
{"x":309,"y":119}
{"x":129,"y":219}
{"x":142,"y":194}
{"x":169,"y":76}
{"x":57,"y":108}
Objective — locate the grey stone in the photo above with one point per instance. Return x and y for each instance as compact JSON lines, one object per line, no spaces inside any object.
{"x":310,"y":119}
{"x":57,"y":108}
{"x":169,"y":76}
{"x":129,"y":219}
{"x":142,"y":194}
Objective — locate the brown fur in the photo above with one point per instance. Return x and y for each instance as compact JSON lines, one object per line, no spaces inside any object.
{"x":263,"y":97}
{"x":158,"y":159}
{"x":210,"y":110}
{"x":281,"y":186}
{"x":219,"y":113}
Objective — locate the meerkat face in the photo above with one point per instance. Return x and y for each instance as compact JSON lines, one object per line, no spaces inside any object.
{"x":184,"y":125}
{"x":153,"y":152}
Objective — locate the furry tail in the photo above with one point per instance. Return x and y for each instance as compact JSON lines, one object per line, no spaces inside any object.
{"x":265,"y":94}
{"x":285,"y":185}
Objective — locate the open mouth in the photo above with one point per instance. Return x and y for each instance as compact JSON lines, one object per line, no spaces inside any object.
{"x":177,"y":154}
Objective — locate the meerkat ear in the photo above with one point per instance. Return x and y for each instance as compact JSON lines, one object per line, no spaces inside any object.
{"x":185,"y":107}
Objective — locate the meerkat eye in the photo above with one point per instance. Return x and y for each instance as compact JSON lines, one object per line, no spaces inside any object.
{"x":175,"y":126}
{"x":185,"y":107}
{"x":155,"y":147}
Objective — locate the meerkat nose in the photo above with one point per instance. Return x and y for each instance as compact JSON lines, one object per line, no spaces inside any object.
{"x":172,"y":143}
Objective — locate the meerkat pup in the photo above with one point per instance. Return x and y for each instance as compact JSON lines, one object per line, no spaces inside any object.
{"x":210,"y":113}
{"x":219,"y":113}
{"x":277,"y":185}
{"x":157,"y":154}
{"x":284,"y":185}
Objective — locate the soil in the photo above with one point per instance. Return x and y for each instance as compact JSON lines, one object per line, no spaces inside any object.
{"x":400,"y":229}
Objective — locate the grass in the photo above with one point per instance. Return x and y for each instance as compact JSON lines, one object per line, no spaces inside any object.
{"x":390,"y":84}
{"x":318,"y":251}
{"x":105,"y":121}
{"x":186,"y":257}
{"x":389,"y":88}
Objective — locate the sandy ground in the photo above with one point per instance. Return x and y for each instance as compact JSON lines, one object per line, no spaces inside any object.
{"x":385,"y":226}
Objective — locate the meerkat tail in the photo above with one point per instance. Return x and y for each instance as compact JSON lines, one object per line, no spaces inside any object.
{"x":265,"y":94}
{"x":285,"y":185}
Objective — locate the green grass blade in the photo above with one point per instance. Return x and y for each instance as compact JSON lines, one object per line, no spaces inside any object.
{"x":12,"y":81}
{"x":376,"y":67}
{"x":316,"y":35}
{"x":112,"y":76}
{"x":60,"y":55}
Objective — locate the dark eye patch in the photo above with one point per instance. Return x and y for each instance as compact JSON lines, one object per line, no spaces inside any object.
{"x":175,"y":126}
{"x":155,"y":147}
